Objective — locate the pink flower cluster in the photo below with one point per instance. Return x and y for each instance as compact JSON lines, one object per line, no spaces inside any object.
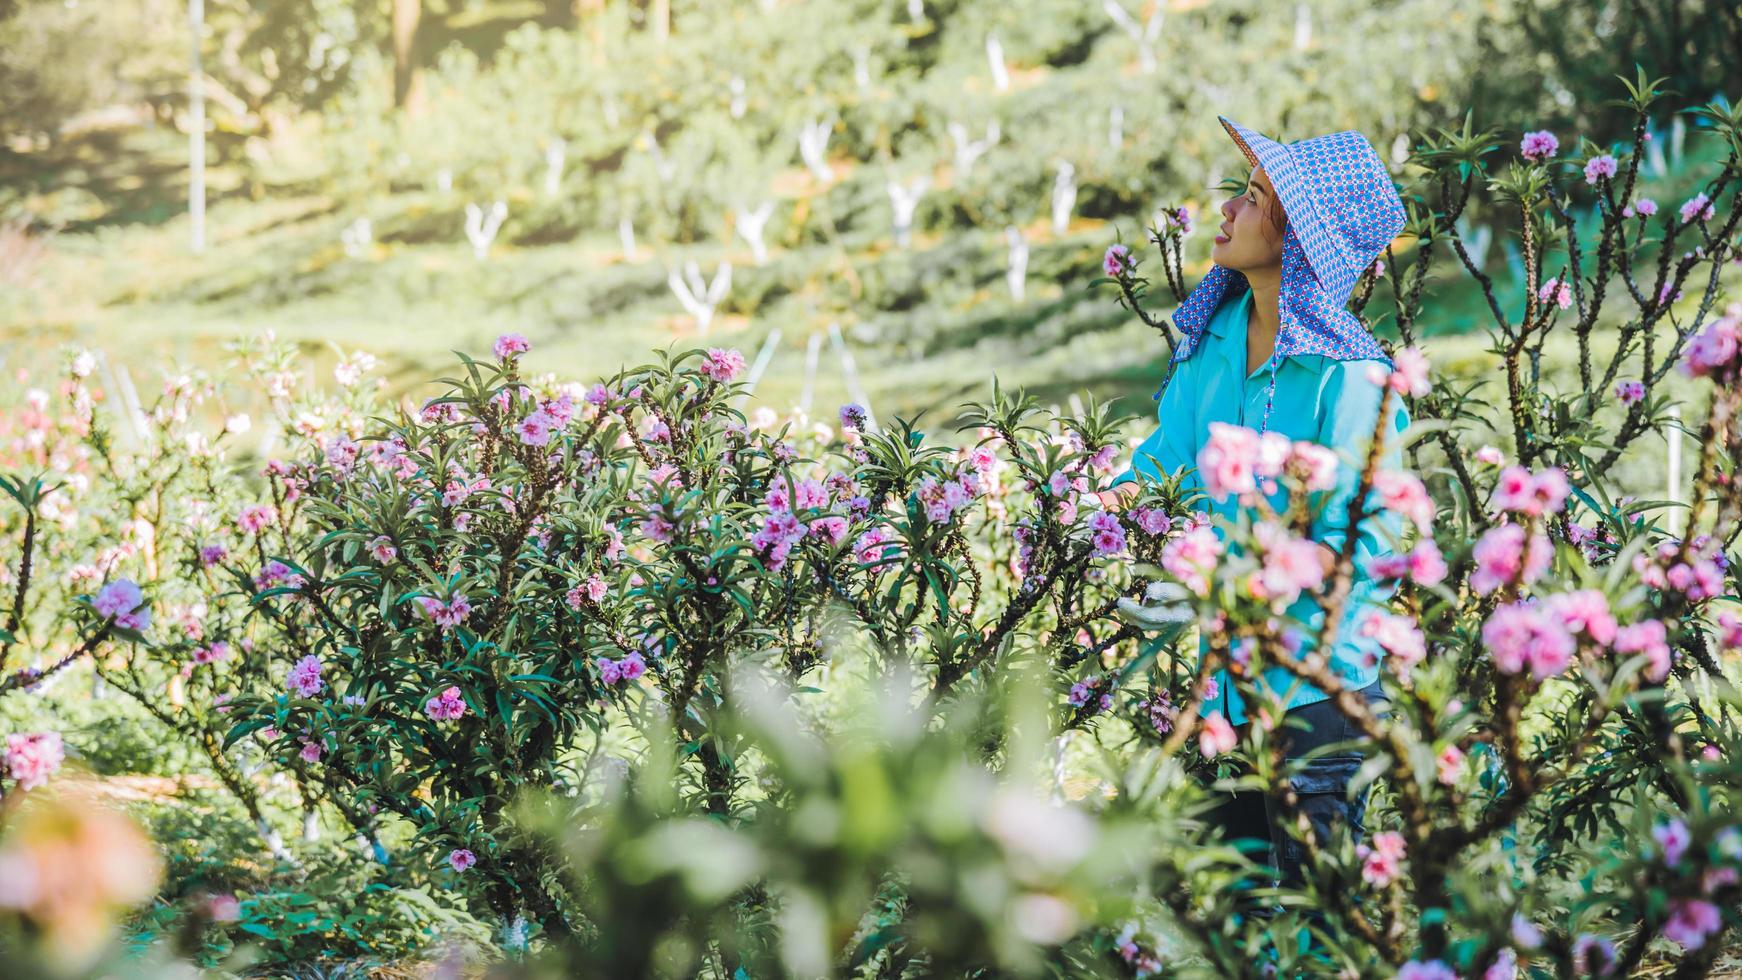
{"x":304,"y":679}
{"x":1117,"y":260}
{"x":1424,"y":564}
{"x":1539,"y":145}
{"x":1191,"y":558}
{"x":1527,"y":635}
{"x":853,"y":416}
{"x":1082,"y":692}
{"x":212,"y":653}
{"x":1555,"y":291}
{"x":1404,"y":644}
{"x":1629,"y":392}
{"x":446,"y":615}
{"x":1599,"y":167}
{"x":1216,"y":737}
{"x":1643,"y":208}
{"x":624,"y":669}
{"x":460,"y":859}
{"x":1691,"y":922}
{"x":122,"y":600}
{"x":1531,"y":495}
{"x":1409,"y":373}
{"x":32,"y":758}
{"x":1382,"y":863}
{"x":1697,"y":208}
{"x":382,"y":550}
{"x":1404,"y":494}
{"x":593,"y":589}
{"x":446,"y":706}
{"x":1430,"y":970}
{"x":1234,"y":459}
{"x":1651,"y":638}
{"x":509,"y":345}
{"x":1106,"y":535}
{"x":255,"y":518}
{"x":1288,"y":565}
{"x":942,"y":499}
{"x":722,"y":364}
{"x":274,"y":574}
{"x":1698,"y":576}
{"x":1160,"y":710}
{"x":1713,"y":351}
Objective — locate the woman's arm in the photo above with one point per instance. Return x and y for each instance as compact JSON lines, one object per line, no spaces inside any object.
{"x":1348,"y":425}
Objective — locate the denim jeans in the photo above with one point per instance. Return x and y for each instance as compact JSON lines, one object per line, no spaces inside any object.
{"x":1321,"y":790}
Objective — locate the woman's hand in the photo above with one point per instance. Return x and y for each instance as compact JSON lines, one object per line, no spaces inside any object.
{"x":1119,"y":496}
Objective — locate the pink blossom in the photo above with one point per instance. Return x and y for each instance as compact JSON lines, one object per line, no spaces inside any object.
{"x":1585,"y":611}
{"x":447,"y":614}
{"x":275,"y":574}
{"x":1698,"y":207}
{"x":535,"y":429}
{"x":1383,"y":862}
{"x":1712,"y":352}
{"x":1673,"y":837}
{"x":510,"y":344}
{"x":1554,"y":289}
{"x":722,"y":364}
{"x":1227,"y":463}
{"x":1523,"y":634}
{"x":632,"y":666}
{"x":1533,"y":495}
{"x":1629,"y":391}
{"x":1599,"y":167}
{"x":211,"y":554}
{"x":1191,"y":558}
{"x":1216,"y":736}
{"x":609,"y":672}
{"x":304,"y":679}
{"x":1289,"y":565}
{"x":1691,"y":922}
{"x":1409,"y":373}
{"x":212,"y":653}
{"x":1504,"y":967}
{"x":382,"y":550}
{"x":1645,"y":207}
{"x":1404,"y":494}
{"x":657,"y":528}
{"x":1426,"y":565}
{"x":1490,"y":455}
{"x":832,"y":529}
{"x":32,"y":758}
{"x":853,"y":416}
{"x":1729,"y":631}
{"x":117,"y":598}
{"x":1539,"y":145}
{"x":449,"y":705}
{"x":1314,"y":465}
{"x":310,"y":752}
{"x":1106,"y":534}
{"x":1399,"y":636}
{"x":1651,"y":638}
{"x":1449,"y":765}
{"x":255,"y":518}
{"x":1431,"y":970}
{"x":1115,"y":261}
{"x":1152,"y":521}
{"x":1180,"y":217}
{"x":460,"y":859}
{"x":1593,"y":956}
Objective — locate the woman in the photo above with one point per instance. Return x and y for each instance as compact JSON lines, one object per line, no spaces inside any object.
{"x":1268,"y":344}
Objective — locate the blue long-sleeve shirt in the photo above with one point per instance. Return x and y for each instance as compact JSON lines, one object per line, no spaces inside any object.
{"x":1332,"y":403}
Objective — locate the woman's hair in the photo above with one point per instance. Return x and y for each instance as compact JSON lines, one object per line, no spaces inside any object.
{"x":1278,"y":217}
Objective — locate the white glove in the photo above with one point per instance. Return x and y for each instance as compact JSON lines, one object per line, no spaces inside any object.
{"x":1167,"y":611}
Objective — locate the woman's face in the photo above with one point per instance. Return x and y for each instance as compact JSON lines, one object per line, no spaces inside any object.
{"x":1248,"y":238}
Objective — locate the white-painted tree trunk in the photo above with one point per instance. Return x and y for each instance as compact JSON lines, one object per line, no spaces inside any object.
{"x":1673,"y":470}
{"x":739,"y":103}
{"x":1144,"y":35}
{"x":812,"y":354}
{"x":1654,"y":155}
{"x":904,"y":201}
{"x":995,"y":60}
{"x":763,"y":356}
{"x":750,"y":225}
{"x":1678,"y":135}
{"x":356,"y":237}
{"x":850,"y":371}
{"x":555,"y":158}
{"x":916,"y":10}
{"x":1116,"y":128}
{"x":626,"y":237}
{"x":862,"y":67}
{"x":1064,"y":196}
{"x":1016,"y":270}
{"x":1303,"y":27}
{"x":969,"y":149}
{"x":700,"y":297}
{"x":482,"y":226}
{"x":813,"y":143}
{"x":444,"y":180}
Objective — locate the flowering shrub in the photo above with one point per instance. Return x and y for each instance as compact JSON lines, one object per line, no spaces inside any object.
{"x":648,"y":684}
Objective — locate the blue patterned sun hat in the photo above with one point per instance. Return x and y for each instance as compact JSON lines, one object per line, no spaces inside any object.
{"x":1343,"y":210}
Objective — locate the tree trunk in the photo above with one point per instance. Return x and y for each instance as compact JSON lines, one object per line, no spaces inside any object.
{"x":659,"y":13}
{"x":407,"y":80}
